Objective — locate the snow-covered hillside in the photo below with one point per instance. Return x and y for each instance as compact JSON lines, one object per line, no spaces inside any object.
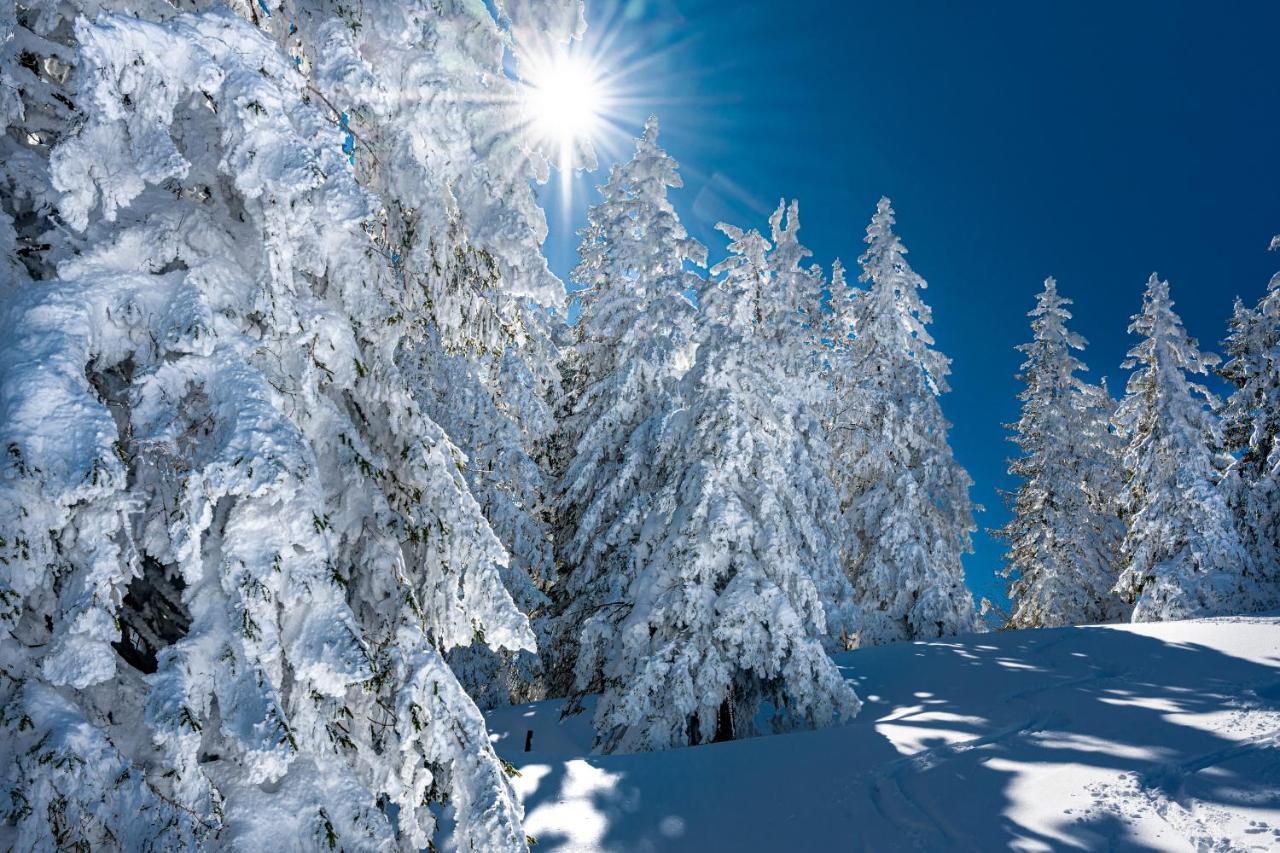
{"x":1159,"y":736}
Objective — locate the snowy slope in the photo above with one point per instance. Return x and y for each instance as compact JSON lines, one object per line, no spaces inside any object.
{"x":1159,"y":736}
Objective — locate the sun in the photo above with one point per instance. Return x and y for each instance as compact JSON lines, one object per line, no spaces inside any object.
{"x":564,"y":100}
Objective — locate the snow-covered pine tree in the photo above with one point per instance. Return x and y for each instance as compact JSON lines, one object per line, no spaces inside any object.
{"x":1252,"y":429}
{"x":629,"y":346}
{"x":234,"y":548}
{"x":794,"y":326}
{"x":1182,"y":555}
{"x":843,"y":296}
{"x":1063,"y":541}
{"x":906,"y":499}
{"x":724,"y":609}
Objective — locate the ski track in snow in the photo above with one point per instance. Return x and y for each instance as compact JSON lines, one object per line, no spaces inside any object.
{"x":915,"y":816}
{"x":1151,"y":737}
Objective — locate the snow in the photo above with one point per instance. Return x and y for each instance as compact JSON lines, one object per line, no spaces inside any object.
{"x":1157,"y":735}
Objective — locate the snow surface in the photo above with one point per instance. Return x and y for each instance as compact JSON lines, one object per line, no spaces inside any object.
{"x":1156,"y":736}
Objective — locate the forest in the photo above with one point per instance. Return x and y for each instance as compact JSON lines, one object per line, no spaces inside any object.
{"x":305,"y":469}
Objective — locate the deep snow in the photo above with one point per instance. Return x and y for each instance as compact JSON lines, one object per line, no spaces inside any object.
{"x":1159,"y":736}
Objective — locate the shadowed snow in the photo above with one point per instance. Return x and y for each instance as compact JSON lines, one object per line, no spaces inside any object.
{"x":1148,"y":737}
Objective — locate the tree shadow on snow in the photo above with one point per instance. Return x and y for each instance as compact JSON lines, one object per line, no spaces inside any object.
{"x":1051,"y":739}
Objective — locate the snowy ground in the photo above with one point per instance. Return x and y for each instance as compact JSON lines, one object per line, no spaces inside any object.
{"x":1136,"y":737}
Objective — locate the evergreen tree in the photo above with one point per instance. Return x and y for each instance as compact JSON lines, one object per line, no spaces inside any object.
{"x":843,"y":296}
{"x":906,"y":500}
{"x":1182,"y":555}
{"x":224,"y":505}
{"x":629,"y":347}
{"x":1064,"y":536}
{"x":726,"y":604}
{"x":453,"y":161}
{"x":1252,"y":428}
{"x":1104,"y":477}
{"x":794,"y":326}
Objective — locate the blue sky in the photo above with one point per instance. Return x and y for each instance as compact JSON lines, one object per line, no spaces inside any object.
{"x":1096,"y":142}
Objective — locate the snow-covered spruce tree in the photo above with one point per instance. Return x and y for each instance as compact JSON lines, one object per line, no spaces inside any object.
{"x":1252,"y":429}
{"x":793,"y":325}
{"x":1104,"y":476}
{"x":234,"y":550}
{"x":905,"y":498}
{"x":1063,"y":543}
{"x":627,"y":351}
{"x":724,"y":609}
{"x":843,"y":296}
{"x":436,"y":128}
{"x":1182,"y":555}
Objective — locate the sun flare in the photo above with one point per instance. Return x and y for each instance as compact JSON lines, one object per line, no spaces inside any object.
{"x":564,"y":100}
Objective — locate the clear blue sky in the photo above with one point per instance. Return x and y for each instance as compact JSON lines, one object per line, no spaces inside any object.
{"x":1096,"y":142}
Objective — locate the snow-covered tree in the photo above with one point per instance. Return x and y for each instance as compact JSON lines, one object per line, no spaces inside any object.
{"x":437,"y":129}
{"x":1104,"y":476}
{"x":1252,"y":428}
{"x":234,"y":548}
{"x":724,"y":609}
{"x":630,"y":344}
{"x":1182,"y":555}
{"x":455,"y":161}
{"x":1064,"y":536}
{"x":843,"y":295}
{"x":907,"y":514}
